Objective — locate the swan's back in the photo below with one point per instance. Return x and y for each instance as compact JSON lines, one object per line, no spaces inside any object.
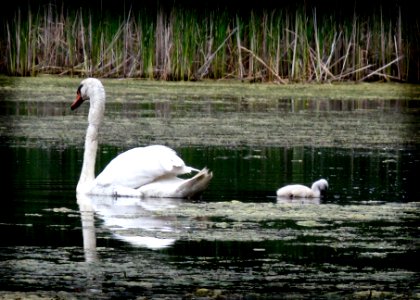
{"x":294,"y":191}
{"x":142,"y":165}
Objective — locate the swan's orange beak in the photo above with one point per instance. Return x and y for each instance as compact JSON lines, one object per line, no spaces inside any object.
{"x":76,"y":103}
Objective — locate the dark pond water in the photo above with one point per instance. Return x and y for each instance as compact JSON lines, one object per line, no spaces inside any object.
{"x":236,"y":241}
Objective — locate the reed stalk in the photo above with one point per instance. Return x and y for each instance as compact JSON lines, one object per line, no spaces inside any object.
{"x":238,"y":42}
{"x":280,"y":46}
{"x":295,"y":44}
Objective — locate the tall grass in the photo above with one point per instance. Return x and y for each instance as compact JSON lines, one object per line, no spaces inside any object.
{"x":279,"y":46}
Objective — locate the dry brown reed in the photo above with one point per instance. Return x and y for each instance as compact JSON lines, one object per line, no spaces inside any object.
{"x":268,"y":46}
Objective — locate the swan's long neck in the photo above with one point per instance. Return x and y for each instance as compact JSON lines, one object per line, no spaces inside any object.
{"x":96,"y":113}
{"x":89,"y":157}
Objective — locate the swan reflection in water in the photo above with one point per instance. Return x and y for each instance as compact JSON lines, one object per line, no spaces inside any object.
{"x":128,"y":219}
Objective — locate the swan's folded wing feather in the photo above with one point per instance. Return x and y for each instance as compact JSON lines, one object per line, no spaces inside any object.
{"x":177,"y":187}
{"x":140,"y":166}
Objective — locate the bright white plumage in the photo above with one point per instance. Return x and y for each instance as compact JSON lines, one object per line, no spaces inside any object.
{"x":301,"y":191}
{"x":140,"y":172}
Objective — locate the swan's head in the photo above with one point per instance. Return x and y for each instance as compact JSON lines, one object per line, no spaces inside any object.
{"x":89,"y":89}
{"x":321,"y":185}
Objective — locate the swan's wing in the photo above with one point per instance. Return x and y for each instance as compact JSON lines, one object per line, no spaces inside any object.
{"x":177,"y":187}
{"x":139,"y":166}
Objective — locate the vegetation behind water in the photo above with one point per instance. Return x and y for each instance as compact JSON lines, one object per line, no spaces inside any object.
{"x":281,"y":43}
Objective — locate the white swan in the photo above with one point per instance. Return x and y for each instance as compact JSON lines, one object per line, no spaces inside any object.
{"x":301,"y":191}
{"x":140,"y":172}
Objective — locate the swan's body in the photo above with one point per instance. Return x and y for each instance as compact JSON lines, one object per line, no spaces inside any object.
{"x":140,"y":172}
{"x":301,"y":191}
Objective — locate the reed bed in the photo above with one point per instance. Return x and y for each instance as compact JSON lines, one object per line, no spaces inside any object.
{"x":277,"y":45}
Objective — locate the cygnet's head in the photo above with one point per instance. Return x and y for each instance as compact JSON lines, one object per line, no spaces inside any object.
{"x":321,"y":185}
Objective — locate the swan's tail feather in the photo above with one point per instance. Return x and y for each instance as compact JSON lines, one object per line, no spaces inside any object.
{"x":191,"y":169}
{"x":195,"y":185}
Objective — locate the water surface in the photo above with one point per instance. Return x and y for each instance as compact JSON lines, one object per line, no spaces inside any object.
{"x":237,"y":239}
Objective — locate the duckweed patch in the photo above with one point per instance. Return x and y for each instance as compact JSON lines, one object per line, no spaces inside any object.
{"x":212,"y":114}
{"x":56,"y":88}
{"x":340,"y":227}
